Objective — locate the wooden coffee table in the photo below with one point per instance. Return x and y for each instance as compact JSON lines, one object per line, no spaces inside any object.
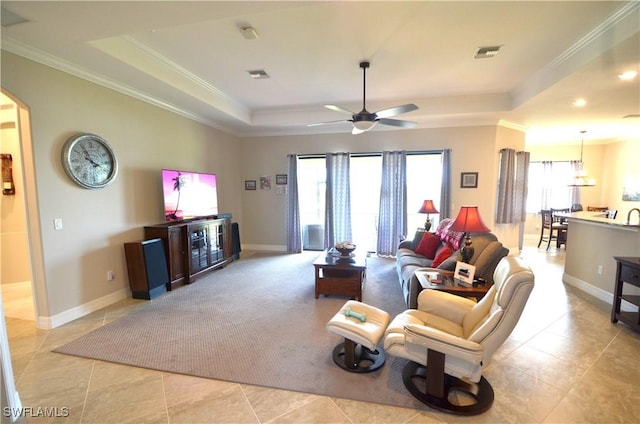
{"x":449,"y":285}
{"x":340,"y":275}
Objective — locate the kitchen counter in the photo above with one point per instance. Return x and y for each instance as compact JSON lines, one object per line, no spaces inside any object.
{"x":600,"y":218}
{"x":592,"y":242}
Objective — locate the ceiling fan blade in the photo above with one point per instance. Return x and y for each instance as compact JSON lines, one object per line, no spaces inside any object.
{"x":392,"y":111}
{"x":339,"y":109}
{"x":397,"y":123}
{"x":326,"y":123}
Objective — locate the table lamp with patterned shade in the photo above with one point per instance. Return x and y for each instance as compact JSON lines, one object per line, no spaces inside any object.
{"x":428,"y":207}
{"x":468,"y":221}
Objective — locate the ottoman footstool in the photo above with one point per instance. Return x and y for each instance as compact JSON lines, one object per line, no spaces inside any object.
{"x":362,"y":327}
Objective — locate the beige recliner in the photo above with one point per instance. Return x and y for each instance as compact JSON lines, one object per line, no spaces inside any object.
{"x":454,"y":337}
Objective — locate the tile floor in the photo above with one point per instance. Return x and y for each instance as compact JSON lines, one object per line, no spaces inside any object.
{"x":564,"y":363}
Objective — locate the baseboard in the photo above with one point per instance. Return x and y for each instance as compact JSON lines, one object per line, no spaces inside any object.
{"x":69,"y":315}
{"x":264,"y":247}
{"x":592,"y":290}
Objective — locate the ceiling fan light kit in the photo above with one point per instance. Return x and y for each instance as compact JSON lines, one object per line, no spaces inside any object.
{"x":364,"y":120}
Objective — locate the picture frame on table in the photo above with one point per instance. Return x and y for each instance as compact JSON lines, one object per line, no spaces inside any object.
{"x":250,"y":184}
{"x":468,"y":180}
{"x":464,"y":273}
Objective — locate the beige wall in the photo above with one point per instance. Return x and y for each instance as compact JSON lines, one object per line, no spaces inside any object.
{"x":473,"y":149}
{"x":98,"y":222}
{"x":13,"y":226}
{"x":146,"y":139}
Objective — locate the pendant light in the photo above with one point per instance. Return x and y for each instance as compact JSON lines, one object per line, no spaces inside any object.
{"x":581,"y":179}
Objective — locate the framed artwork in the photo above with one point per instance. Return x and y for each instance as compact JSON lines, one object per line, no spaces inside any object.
{"x":631,"y":188}
{"x":464,"y":273}
{"x":469,"y":180}
{"x":281,"y":179}
{"x":265,"y":183}
{"x":250,"y":184}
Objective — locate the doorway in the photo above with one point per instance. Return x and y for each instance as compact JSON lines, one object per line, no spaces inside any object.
{"x":15,"y":258}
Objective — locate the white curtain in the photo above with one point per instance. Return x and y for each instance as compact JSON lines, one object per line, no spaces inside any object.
{"x":294,"y":235}
{"x":548,"y":182}
{"x":392,"y":217}
{"x":338,"y":200}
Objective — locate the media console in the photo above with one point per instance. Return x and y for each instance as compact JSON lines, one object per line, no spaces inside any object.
{"x":194,"y":247}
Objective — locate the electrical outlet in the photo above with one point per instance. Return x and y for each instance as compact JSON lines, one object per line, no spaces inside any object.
{"x":600,"y":269}
{"x":111,"y":275}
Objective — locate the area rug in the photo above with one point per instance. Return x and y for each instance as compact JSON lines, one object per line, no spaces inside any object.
{"x":255,"y":322}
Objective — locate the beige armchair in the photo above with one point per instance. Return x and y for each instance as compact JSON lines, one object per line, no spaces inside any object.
{"x":450,"y":339}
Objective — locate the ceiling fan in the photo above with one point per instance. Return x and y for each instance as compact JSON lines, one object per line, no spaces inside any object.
{"x":364,"y":120}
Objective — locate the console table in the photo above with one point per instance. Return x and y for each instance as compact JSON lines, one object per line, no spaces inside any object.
{"x":627,"y":272}
{"x":193,"y":247}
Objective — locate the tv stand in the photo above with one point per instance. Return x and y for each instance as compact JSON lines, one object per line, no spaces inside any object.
{"x":193,"y":247}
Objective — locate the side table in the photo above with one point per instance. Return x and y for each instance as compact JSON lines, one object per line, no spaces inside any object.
{"x":450,"y":285}
{"x":628,"y":271}
{"x":341,"y":276}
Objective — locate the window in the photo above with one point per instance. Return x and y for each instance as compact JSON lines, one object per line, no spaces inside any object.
{"x":424,"y":181}
{"x":547,"y":187}
{"x":424,"y":173}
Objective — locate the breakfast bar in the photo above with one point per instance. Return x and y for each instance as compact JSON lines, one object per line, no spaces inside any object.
{"x":592,"y":245}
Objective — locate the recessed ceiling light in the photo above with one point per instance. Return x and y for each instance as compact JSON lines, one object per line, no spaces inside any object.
{"x":487,"y":52}
{"x":628,"y":75}
{"x":258,"y":74}
{"x":580,"y":102}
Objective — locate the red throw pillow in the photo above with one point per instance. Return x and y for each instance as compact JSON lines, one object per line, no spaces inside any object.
{"x":441,"y":256}
{"x":428,"y":245}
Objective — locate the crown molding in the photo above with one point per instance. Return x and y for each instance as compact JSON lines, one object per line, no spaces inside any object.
{"x":54,"y":62}
{"x":619,"y":26}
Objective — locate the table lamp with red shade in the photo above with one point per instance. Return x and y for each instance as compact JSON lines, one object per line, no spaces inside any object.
{"x":468,"y":221}
{"x":428,"y":207}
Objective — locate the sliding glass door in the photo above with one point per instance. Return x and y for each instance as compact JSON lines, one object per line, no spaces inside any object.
{"x":424,"y":173}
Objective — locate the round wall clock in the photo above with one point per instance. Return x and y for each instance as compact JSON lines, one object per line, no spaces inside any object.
{"x":89,"y":161}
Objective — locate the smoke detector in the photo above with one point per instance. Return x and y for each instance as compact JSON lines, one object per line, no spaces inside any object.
{"x":258,"y":74}
{"x":249,"y":32}
{"x":487,"y":52}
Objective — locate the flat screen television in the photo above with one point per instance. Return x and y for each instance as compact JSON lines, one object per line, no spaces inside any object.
{"x":189,"y":195}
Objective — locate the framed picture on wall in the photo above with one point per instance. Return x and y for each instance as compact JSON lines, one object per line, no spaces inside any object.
{"x":250,"y":184}
{"x":469,"y":180}
{"x":281,"y":179}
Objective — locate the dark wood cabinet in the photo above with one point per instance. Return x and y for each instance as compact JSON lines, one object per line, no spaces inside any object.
{"x":193,"y":247}
{"x":208,"y":245}
{"x":627,"y":272}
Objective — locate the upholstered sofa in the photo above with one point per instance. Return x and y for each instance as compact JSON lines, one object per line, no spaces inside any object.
{"x":412,"y":255}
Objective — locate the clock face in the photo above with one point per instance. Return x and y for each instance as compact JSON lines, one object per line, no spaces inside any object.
{"x":89,"y":161}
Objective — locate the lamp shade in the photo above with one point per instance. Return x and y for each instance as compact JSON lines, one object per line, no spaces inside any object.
{"x":428,"y":207}
{"x":469,"y":221}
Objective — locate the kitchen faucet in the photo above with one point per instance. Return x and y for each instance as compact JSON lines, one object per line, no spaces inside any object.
{"x":629,"y":215}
